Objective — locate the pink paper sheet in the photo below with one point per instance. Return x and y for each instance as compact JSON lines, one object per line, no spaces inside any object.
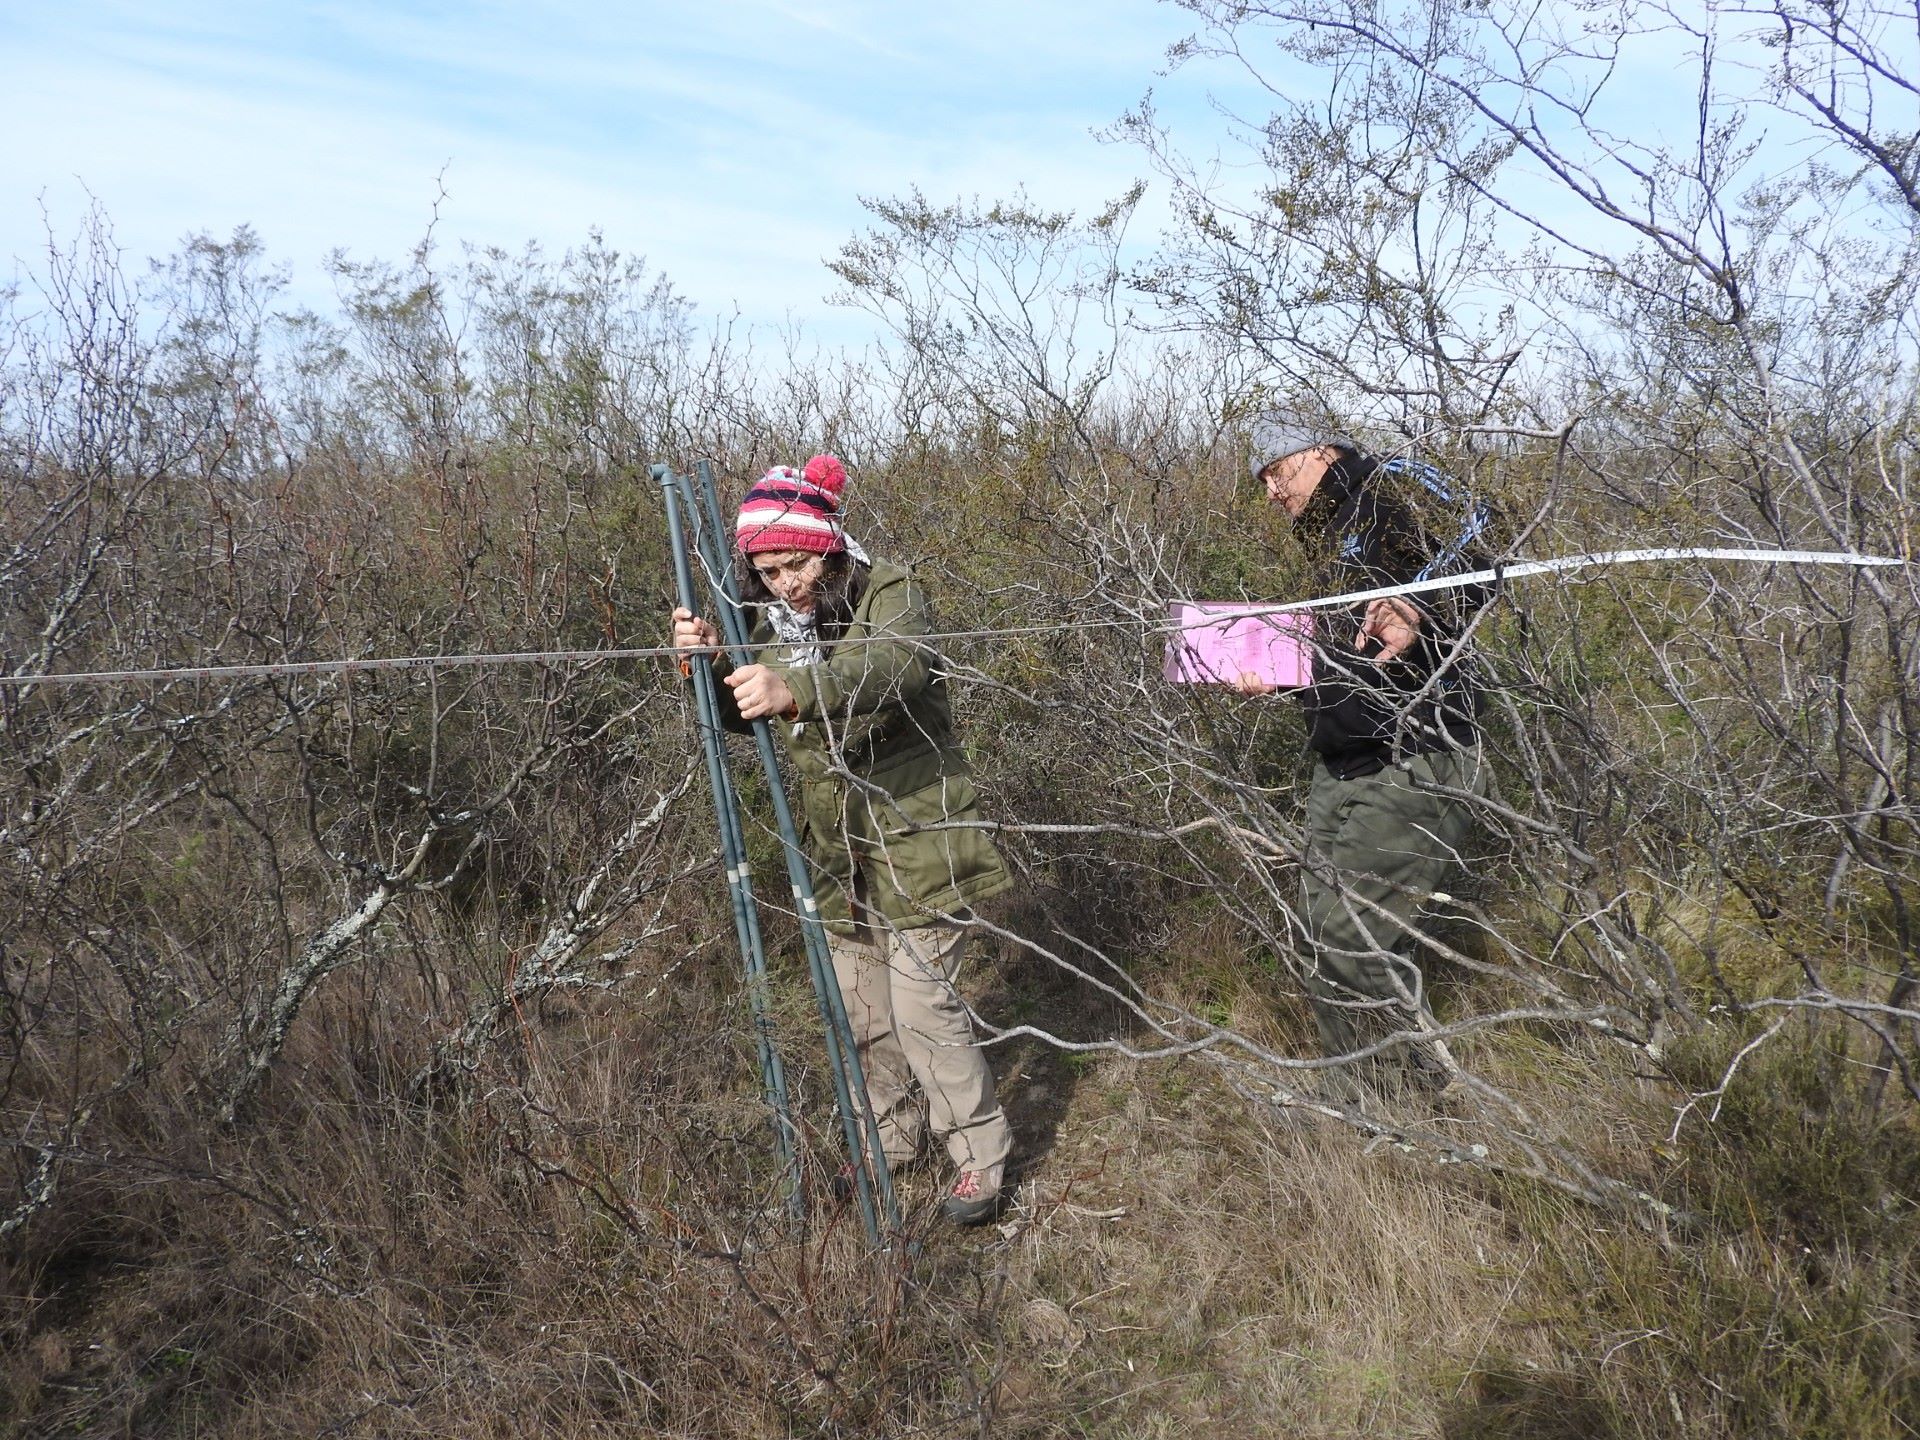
{"x":1216,"y":641}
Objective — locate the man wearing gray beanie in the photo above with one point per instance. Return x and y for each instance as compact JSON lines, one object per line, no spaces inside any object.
{"x":1391,"y":721}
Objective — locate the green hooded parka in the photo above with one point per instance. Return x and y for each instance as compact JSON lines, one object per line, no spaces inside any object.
{"x":874,"y":754}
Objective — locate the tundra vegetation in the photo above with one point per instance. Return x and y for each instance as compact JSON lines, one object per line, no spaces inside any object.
{"x":375,"y":1054}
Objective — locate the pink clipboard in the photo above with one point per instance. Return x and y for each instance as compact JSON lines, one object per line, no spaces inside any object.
{"x":1214,"y":642}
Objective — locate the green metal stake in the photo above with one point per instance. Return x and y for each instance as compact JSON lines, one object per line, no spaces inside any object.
{"x":746,"y":915}
{"x":869,"y":1164}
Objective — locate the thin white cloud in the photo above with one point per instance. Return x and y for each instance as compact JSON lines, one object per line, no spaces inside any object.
{"x":730,"y":144}
{"x":867,"y":37}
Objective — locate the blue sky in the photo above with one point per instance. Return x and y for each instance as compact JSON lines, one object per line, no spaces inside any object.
{"x":727,"y":141}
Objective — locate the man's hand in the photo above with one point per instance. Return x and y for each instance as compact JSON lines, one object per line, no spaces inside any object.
{"x":690,"y":632}
{"x":760,"y":692}
{"x":1394,"y":623}
{"x":1248,"y":682}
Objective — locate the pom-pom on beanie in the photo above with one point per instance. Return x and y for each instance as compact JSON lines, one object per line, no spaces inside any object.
{"x":789,"y":509}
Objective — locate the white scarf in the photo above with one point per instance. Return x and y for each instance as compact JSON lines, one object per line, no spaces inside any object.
{"x":797,"y":629}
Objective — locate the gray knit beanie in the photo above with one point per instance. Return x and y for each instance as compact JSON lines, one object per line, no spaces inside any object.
{"x":1276,"y":434}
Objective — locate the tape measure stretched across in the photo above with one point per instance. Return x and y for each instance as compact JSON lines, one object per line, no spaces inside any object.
{"x":1566,"y":564}
{"x":1519,"y":570}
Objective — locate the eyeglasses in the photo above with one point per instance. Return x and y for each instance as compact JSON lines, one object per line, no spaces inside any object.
{"x":769,"y":573}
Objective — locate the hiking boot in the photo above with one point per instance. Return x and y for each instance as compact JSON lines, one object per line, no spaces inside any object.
{"x":974,"y":1198}
{"x":1422,"y":1072}
{"x":842,"y":1184}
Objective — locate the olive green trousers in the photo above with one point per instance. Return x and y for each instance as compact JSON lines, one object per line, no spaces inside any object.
{"x":1379,"y":847}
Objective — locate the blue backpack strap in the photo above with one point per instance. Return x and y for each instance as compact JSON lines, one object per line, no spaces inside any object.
{"x":1476,"y":515}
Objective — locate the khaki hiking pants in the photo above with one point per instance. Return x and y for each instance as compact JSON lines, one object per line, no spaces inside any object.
{"x":1376,"y":847}
{"x":916,"y":1043}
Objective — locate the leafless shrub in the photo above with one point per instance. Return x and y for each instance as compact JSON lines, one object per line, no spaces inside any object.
{"x":387,"y":1006}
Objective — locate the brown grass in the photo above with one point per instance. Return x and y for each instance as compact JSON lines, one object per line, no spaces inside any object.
{"x":582,"y":1236}
{"x":588,"y":1248}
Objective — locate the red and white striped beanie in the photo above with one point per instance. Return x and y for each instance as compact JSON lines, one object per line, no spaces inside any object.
{"x":789,"y":509}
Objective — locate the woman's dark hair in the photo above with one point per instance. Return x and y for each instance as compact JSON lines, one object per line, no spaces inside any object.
{"x":841,"y":581}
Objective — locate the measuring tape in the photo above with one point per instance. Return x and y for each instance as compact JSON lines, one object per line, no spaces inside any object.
{"x":1497,"y":575}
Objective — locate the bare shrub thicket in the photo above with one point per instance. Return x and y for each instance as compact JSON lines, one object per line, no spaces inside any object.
{"x":1698,"y":871}
{"x":279,"y":949}
{"x":1697,"y":760}
{"x":371,"y":1049}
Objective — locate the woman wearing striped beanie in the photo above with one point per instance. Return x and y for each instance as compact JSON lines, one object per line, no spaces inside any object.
{"x":789,"y":509}
{"x":840,"y":662}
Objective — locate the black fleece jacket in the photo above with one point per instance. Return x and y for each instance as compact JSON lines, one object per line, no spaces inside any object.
{"x":1381,"y":523}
